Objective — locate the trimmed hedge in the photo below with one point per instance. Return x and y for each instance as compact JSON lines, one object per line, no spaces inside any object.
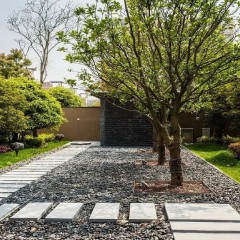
{"x":47,"y":137}
{"x":31,"y":141}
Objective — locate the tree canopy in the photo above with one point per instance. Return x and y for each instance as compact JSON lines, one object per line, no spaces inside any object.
{"x":164,"y":56}
{"x":222,"y":114}
{"x":42,"y":110}
{"x":14,"y":64}
{"x":12,"y":107}
{"x":66,"y":97}
{"x":38,"y":25}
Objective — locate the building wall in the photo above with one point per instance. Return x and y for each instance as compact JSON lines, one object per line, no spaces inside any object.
{"x":114,"y":126}
{"x":190,"y":120}
{"x":124,"y":128}
{"x":83,"y":124}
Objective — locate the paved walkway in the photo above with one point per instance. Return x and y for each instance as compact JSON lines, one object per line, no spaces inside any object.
{"x":12,"y":181}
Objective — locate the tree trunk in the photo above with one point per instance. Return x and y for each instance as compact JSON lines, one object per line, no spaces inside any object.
{"x":14,"y":137}
{"x":175,"y":151}
{"x":175,"y":165}
{"x":35,"y":133}
{"x":161,"y":150}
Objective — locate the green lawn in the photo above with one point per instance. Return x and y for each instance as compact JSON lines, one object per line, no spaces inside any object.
{"x":9,"y":158}
{"x":219,"y":156}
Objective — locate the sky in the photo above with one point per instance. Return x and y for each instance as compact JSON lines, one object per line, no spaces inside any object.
{"x":58,"y":67}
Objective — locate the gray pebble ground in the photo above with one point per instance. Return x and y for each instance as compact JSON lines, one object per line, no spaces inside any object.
{"x":107,"y":175}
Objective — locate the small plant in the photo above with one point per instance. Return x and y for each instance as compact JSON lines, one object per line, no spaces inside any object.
{"x":47,"y":137}
{"x":34,"y":141}
{"x":17,"y":146}
{"x":235,"y":148}
{"x":205,"y":139}
{"x":4,"y":149}
{"x":59,"y":137}
{"x":228,"y":139}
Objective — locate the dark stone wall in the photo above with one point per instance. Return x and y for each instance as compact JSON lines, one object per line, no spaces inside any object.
{"x":123,"y":128}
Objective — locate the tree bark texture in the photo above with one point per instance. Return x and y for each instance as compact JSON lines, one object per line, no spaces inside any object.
{"x":161,"y":150}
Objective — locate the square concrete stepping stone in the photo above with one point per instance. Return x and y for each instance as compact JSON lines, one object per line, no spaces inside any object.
{"x":32,"y":212}
{"x":105,"y":212}
{"x":26,"y":170}
{"x":64,"y":212}
{"x":30,"y":174}
{"x":201,"y":212}
{"x":19,"y":178}
{"x":43,"y":164}
{"x":220,"y":227}
{"x":51,"y":158}
{"x":15,"y":182}
{"x":6,"y":209}
{"x":5,"y":185}
{"x":206,"y":236}
{"x":142,"y":212}
{"x":4,"y":195}
{"x":51,"y":162}
{"x":39,"y":167}
{"x":8,"y":190}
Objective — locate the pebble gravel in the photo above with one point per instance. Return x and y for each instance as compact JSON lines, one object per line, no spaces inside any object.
{"x":106,"y":175}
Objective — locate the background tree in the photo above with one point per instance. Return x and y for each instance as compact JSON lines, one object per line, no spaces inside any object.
{"x":12,"y":106}
{"x":223,"y":111}
{"x":38,"y":25}
{"x":14,"y":64}
{"x":42,"y":109}
{"x":66,"y":97}
{"x":164,"y":56}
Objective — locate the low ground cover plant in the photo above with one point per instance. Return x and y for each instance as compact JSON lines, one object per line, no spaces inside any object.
{"x":228,"y":139}
{"x":235,"y":148}
{"x":4,"y":149}
{"x":205,"y":139}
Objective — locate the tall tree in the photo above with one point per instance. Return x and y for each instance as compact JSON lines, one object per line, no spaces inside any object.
{"x":164,"y":56}
{"x":38,"y":25}
{"x":14,"y":64}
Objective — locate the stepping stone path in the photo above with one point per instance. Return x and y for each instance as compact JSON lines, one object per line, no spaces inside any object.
{"x":105,"y":212}
{"x":64,"y":212}
{"x":68,"y":212}
{"x":142,"y":212}
{"x":31,"y":212}
{"x":6,"y":209}
{"x":11,"y":182}
{"x":203,"y":221}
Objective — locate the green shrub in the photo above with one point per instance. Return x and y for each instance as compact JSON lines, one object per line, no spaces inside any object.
{"x":228,"y":139}
{"x":59,"y":137}
{"x":31,"y":141}
{"x":235,"y":148}
{"x":3,"y":138}
{"x":47,"y":137}
{"x":205,"y":139}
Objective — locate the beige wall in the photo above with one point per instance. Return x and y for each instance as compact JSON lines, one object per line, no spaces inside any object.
{"x":83,"y":124}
